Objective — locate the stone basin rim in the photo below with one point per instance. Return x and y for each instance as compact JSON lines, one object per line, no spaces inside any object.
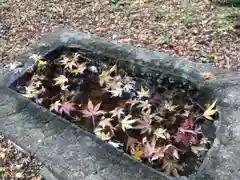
{"x":214,"y":85}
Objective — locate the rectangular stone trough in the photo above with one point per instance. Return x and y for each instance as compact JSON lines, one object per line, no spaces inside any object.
{"x":70,"y":152}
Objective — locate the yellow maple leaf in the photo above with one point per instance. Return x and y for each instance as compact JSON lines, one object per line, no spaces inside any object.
{"x":2,"y":155}
{"x":80,"y":69}
{"x":60,"y":80}
{"x":31,"y":92}
{"x":6,"y":174}
{"x":160,"y":133}
{"x":143,"y":93}
{"x":105,"y":76}
{"x":208,"y":75}
{"x":197,"y":149}
{"x":210,"y":111}
{"x":137,"y":154}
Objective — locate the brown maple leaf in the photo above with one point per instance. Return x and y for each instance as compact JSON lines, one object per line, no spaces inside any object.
{"x":146,"y":121}
{"x":131,"y":144}
{"x":171,"y":167}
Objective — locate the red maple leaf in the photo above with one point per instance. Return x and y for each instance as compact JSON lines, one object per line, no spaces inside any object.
{"x":149,"y":147}
{"x":187,"y":137}
{"x":92,"y":110}
{"x":187,"y":124}
{"x":67,"y":108}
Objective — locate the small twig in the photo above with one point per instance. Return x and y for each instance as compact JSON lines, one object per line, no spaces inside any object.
{"x":197,"y":105}
{"x":199,"y":117}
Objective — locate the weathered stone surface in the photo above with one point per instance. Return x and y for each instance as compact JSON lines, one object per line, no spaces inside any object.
{"x":223,"y":161}
{"x":71,"y":153}
{"x":46,"y":174}
{"x":26,"y":126}
{"x":75,"y":155}
{"x":10,"y":104}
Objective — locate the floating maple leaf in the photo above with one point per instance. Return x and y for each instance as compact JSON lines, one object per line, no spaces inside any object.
{"x":41,"y":64}
{"x":137,"y":154}
{"x":171,"y":167}
{"x":188,"y":124}
{"x":169,"y":106}
{"x":92,"y":111}
{"x":64,"y":87}
{"x":67,"y":108}
{"x":26,"y":160}
{"x":129,"y":84}
{"x":60,"y":80}
{"x":149,"y":147}
{"x":105,"y":122}
{"x":105,"y":76}
{"x":131,"y":144}
{"x":161,"y":133}
{"x":68,"y":63}
{"x":143,"y":93}
{"x":158,"y":153}
{"x":76,"y":56}
{"x":145,"y":126}
{"x":187,"y":137}
{"x":117,"y":92}
{"x":144,"y":105}
{"x":128,"y":87}
{"x":80,"y":69}
{"x":133,"y":102}
{"x":102,"y":134}
{"x":55,"y":106}
{"x":146,"y":121}
{"x":204,"y":140}
{"x":167,"y":151}
{"x":197,"y":149}
{"x":31,"y":92}
{"x":126,"y":122}
{"x":210,"y":111}
{"x":117,"y":112}
{"x":114,"y":86}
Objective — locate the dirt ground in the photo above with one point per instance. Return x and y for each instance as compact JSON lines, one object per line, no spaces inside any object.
{"x":200,"y":30}
{"x":17,"y":164}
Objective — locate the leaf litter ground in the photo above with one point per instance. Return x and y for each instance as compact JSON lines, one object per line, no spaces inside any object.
{"x":16,"y":163}
{"x":200,"y":30}
{"x":157,"y":123}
